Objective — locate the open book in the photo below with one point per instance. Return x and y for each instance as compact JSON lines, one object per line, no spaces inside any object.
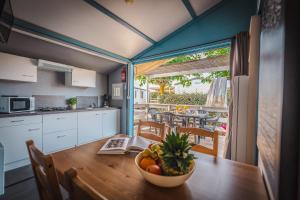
{"x":120,"y":145}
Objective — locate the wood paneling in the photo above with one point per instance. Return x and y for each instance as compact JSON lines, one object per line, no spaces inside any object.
{"x":270,"y":101}
{"x":279,"y":97}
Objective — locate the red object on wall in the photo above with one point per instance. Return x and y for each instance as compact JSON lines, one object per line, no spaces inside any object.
{"x":123,"y":75}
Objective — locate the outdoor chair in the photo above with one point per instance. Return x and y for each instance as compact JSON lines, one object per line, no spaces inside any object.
{"x":153,"y":114}
{"x":199,"y":122}
{"x":167,"y":117}
{"x":212,"y":122}
{"x":202,"y":112}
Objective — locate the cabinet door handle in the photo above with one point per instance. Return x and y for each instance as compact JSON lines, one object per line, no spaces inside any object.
{"x":58,"y":118}
{"x":14,"y":121}
{"x":61,"y":136}
{"x":26,"y":75}
{"x":97,"y":114}
{"x":33,"y":129}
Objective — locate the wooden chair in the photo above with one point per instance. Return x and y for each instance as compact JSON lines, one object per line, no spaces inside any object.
{"x":45,"y":174}
{"x":78,"y":189}
{"x":148,"y":134}
{"x":203,"y":133}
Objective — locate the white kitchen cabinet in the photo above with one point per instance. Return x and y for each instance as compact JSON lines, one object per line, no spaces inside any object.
{"x":81,"y":78}
{"x":59,"y":131}
{"x":59,"y":122}
{"x":110,"y":122}
{"x":54,"y":132}
{"x":59,"y":141}
{"x":13,"y":139}
{"x":89,"y":126}
{"x":17,"y":68}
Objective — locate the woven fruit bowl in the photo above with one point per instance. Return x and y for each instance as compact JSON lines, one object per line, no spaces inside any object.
{"x":168,"y":164}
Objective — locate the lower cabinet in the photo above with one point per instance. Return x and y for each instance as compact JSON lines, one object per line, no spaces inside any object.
{"x":59,"y":132}
{"x":13,"y":139}
{"x":89,"y":126}
{"x":61,"y":140}
{"x":54,"y":132}
{"x":110,"y":122}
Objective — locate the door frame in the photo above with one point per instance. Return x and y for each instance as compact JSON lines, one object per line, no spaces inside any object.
{"x":170,"y":54}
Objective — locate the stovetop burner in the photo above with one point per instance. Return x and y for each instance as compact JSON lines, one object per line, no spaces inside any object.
{"x":47,"y":109}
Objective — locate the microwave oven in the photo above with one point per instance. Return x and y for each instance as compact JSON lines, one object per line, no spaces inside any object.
{"x":16,"y":104}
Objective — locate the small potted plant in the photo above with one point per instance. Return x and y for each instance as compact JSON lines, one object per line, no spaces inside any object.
{"x":72,"y":102}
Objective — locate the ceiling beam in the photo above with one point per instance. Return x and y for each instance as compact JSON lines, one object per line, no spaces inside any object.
{"x":190,"y":8}
{"x":188,"y":72}
{"x":107,"y":12}
{"x":38,"y":30}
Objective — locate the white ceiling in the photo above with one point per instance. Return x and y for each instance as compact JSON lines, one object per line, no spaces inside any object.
{"x":79,"y":20}
{"x":155,"y":18}
{"x":200,"y":6}
{"x":39,"y":49}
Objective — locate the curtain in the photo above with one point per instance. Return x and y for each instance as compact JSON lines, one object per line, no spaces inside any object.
{"x":238,"y":66}
{"x":217,"y":93}
{"x":239,"y":55}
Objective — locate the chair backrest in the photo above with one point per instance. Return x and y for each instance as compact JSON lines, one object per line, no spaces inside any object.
{"x":44,"y":172}
{"x":202,"y":112}
{"x":215,"y":118}
{"x":78,"y":189}
{"x":167,"y":117}
{"x":203,"y":133}
{"x":153,"y":112}
{"x":149,"y":134}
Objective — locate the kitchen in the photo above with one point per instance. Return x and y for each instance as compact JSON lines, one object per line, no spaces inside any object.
{"x":67,"y":71}
{"x":33,"y":105}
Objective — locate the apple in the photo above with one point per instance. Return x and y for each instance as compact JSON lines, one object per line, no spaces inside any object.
{"x":154,"y":169}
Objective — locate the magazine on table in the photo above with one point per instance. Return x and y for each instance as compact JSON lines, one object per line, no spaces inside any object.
{"x":121,"y":145}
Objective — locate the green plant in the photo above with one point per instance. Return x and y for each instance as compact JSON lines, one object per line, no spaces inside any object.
{"x":186,"y":80}
{"x":72,"y":101}
{"x":184,"y":99}
{"x":176,"y":159}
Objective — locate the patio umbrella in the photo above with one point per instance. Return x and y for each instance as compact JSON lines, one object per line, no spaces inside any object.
{"x":217,"y":94}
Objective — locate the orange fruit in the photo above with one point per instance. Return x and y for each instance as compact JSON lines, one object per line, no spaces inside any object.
{"x":154,"y":169}
{"x":145,"y":162}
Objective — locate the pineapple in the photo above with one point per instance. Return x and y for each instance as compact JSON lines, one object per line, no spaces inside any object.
{"x":175,"y":156}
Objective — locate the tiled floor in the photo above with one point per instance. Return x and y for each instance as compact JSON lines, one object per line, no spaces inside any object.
{"x":20,"y":185}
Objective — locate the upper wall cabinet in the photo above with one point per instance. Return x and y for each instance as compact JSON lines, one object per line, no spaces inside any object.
{"x":17,"y":68}
{"x":81,"y":78}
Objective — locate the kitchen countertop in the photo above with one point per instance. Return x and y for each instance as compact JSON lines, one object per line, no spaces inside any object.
{"x":20,"y":114}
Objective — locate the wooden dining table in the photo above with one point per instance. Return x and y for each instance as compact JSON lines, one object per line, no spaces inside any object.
{"x":117,"y":178}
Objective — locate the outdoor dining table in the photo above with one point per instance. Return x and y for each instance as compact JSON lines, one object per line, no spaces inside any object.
{"x":116,"y":177}
{"x":187,"y":116}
